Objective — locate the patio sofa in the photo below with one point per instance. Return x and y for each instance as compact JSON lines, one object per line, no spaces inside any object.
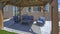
{"x":26,"y":19}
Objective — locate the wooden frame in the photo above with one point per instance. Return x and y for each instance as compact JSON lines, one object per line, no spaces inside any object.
{"x":54,"y":14}
{"x":1,"y":16}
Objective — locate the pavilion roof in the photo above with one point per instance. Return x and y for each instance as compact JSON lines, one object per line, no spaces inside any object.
{"x":24,"y":3}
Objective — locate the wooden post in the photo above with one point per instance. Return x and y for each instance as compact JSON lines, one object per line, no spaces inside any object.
{"x":50,"y":11}
{"x":19,"y":12}
{"x":20,"y":9}
{"x":54,"y":12}
{"x":43,"y":11}
{"x":1,"y":17}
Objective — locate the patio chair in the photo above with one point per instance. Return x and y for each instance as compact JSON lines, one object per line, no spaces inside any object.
{"x":41,"y":21}
{"x":16,"y":19}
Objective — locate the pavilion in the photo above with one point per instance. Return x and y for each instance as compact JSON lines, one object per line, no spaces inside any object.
{"x":27,"y":3}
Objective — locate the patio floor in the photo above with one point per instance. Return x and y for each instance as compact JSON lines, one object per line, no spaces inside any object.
{"x":26,"y":29}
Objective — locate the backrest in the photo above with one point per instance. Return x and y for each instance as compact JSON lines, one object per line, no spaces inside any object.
{"x":42,"y":18}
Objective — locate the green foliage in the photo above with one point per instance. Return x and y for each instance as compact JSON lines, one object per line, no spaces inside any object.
{"x":6,"y":32}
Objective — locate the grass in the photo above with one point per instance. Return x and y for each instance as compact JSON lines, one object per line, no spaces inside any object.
{"x":5,"y":18}
{"x":6,"y":32}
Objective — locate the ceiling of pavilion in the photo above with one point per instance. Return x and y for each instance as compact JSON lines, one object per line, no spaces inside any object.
{"x":24,"y":3}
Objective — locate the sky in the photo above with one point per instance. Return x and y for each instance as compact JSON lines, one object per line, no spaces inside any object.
{"x":59,"y":5}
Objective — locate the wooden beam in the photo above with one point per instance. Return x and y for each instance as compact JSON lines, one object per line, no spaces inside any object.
{"x":54,"y":12}
{"x":25,"y":3}
{"x":28,"y":5}
{"x":1,"y":17}
{"x":50,"y":1}
{"x":3,"y":1}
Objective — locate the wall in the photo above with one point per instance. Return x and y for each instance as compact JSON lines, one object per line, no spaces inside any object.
{"x":36,"y":14}
{"x":9,"y":12}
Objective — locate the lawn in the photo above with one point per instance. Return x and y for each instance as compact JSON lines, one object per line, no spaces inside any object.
{"x":6,"y":32}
